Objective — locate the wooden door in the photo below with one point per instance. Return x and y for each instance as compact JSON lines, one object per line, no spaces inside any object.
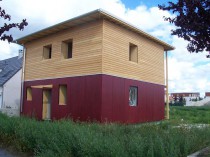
{"x":46,"y":110}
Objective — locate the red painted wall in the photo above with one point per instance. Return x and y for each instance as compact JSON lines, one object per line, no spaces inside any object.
{"x":207,"y":94}
{"x":98,"y":98}
{"x":115,"y":105}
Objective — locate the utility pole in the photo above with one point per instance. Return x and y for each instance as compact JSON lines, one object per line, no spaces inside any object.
{"x":167,"y":101}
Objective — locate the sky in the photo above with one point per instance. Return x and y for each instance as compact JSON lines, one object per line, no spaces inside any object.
{"x":188,"y":72}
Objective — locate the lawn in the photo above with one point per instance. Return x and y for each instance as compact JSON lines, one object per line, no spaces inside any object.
{"x":69,"y":139}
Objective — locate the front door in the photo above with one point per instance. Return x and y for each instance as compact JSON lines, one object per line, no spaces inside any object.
{"x":46,"y":110}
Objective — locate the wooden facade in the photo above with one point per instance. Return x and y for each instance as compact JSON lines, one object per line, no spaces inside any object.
{"x":86,"y":59}
{"x":150,"y":62}
{"x":105,"y":50}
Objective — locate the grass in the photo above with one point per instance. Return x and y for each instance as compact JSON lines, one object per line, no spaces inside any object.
{"x":190,"y":114}
{"x":69,"y":139}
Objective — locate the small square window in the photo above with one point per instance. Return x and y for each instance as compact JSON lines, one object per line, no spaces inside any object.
{"x":47,"y":52}
{"x":67,"y":47}
{"x":28,"y":94}
{"x":62,"y":94}
{"x":133,"y":53}
{"x":133,"y":96}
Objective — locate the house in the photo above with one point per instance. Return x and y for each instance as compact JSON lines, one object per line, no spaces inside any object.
{"x":207,"y":94}
{"x":94,"y":67}
{"x":10,"y":84}
{"x":188,"y":97}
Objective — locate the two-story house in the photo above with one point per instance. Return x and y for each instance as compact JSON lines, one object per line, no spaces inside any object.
{"x":94,"y":67}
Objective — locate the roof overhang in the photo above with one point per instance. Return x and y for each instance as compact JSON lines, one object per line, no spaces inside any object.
{"x":91,"y":16}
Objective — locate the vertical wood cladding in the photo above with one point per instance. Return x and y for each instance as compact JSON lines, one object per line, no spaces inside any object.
{"x":99,"y":97}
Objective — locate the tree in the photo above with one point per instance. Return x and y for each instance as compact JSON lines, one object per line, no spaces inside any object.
{"x":192,"y":18}
{"x":6,"y":27}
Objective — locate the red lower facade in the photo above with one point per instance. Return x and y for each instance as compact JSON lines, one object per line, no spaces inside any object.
{"x":101,"y":98}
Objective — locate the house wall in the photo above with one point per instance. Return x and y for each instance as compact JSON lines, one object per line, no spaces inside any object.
{"x":115,"y":60}
{"x":115,"y":101}
{"x":102,"y":98}
{"x":87,"y":48}
{"x":98,"y":76}
{"x":1,"y":95}
{"x":83,"y":98}
{"x":12,"y":91}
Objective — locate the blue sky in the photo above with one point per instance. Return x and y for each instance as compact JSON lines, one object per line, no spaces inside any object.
{"x":187,"y":72}
{"x":132,"y":4}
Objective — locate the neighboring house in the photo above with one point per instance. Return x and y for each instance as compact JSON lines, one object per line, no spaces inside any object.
{"x":189,"y":97}
{"x":207,"y":94}
{"x":94,"y":67}
{"x":10,"y":85}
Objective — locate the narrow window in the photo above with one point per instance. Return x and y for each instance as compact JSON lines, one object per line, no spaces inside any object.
{"x":67,"y":47}
{"x":133,"y":53}
{"x":28,"y":94}
{"x":133,"y":94}
{"x":47,"y":52}
{"x":62,"y":94}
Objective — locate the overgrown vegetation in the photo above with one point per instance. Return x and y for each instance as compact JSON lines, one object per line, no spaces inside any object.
{"x":66,"y":138}
{"x":190,"y":114}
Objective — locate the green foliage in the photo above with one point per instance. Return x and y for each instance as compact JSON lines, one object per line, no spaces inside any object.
{"x":69,"y":139}
{"x":190,"y":114}
{"x":191,"y":19}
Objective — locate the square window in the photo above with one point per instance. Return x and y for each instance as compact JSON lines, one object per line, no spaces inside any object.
{"x":62,"y":94}
{"x":133,"y":96}
{"x":67,"y":47}
{"x":28,"y":94}
{"x":133,"y":53}
{"x":47,"y":52}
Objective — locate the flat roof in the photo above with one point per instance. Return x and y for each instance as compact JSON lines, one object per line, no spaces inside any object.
{"x":88,"y":17}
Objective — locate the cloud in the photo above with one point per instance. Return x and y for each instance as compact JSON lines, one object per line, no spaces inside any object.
{"x":187,"y":72}
{"x":41,"y":14}
{"x":8,"y":50}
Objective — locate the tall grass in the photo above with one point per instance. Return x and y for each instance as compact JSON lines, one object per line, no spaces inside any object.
{"x":191,"y":114}
{"x":69,"y":139}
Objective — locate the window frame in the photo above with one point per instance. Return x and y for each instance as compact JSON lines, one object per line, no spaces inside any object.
{"x":67,"y":49}
{"x":47,"y":52}
{"x":29,"y":94}
{"x":133,"y":53}
{"x":136,"y":96}
{"x":62,"y":100}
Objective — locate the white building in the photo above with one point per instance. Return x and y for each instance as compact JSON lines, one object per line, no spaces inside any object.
{"x":10,"y":85}
{"x":188,"y":97}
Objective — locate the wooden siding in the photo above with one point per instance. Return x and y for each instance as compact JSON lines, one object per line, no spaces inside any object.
{"x":115,"y":55}
{"x":86,"y":57}
{"x":99,"y":47}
